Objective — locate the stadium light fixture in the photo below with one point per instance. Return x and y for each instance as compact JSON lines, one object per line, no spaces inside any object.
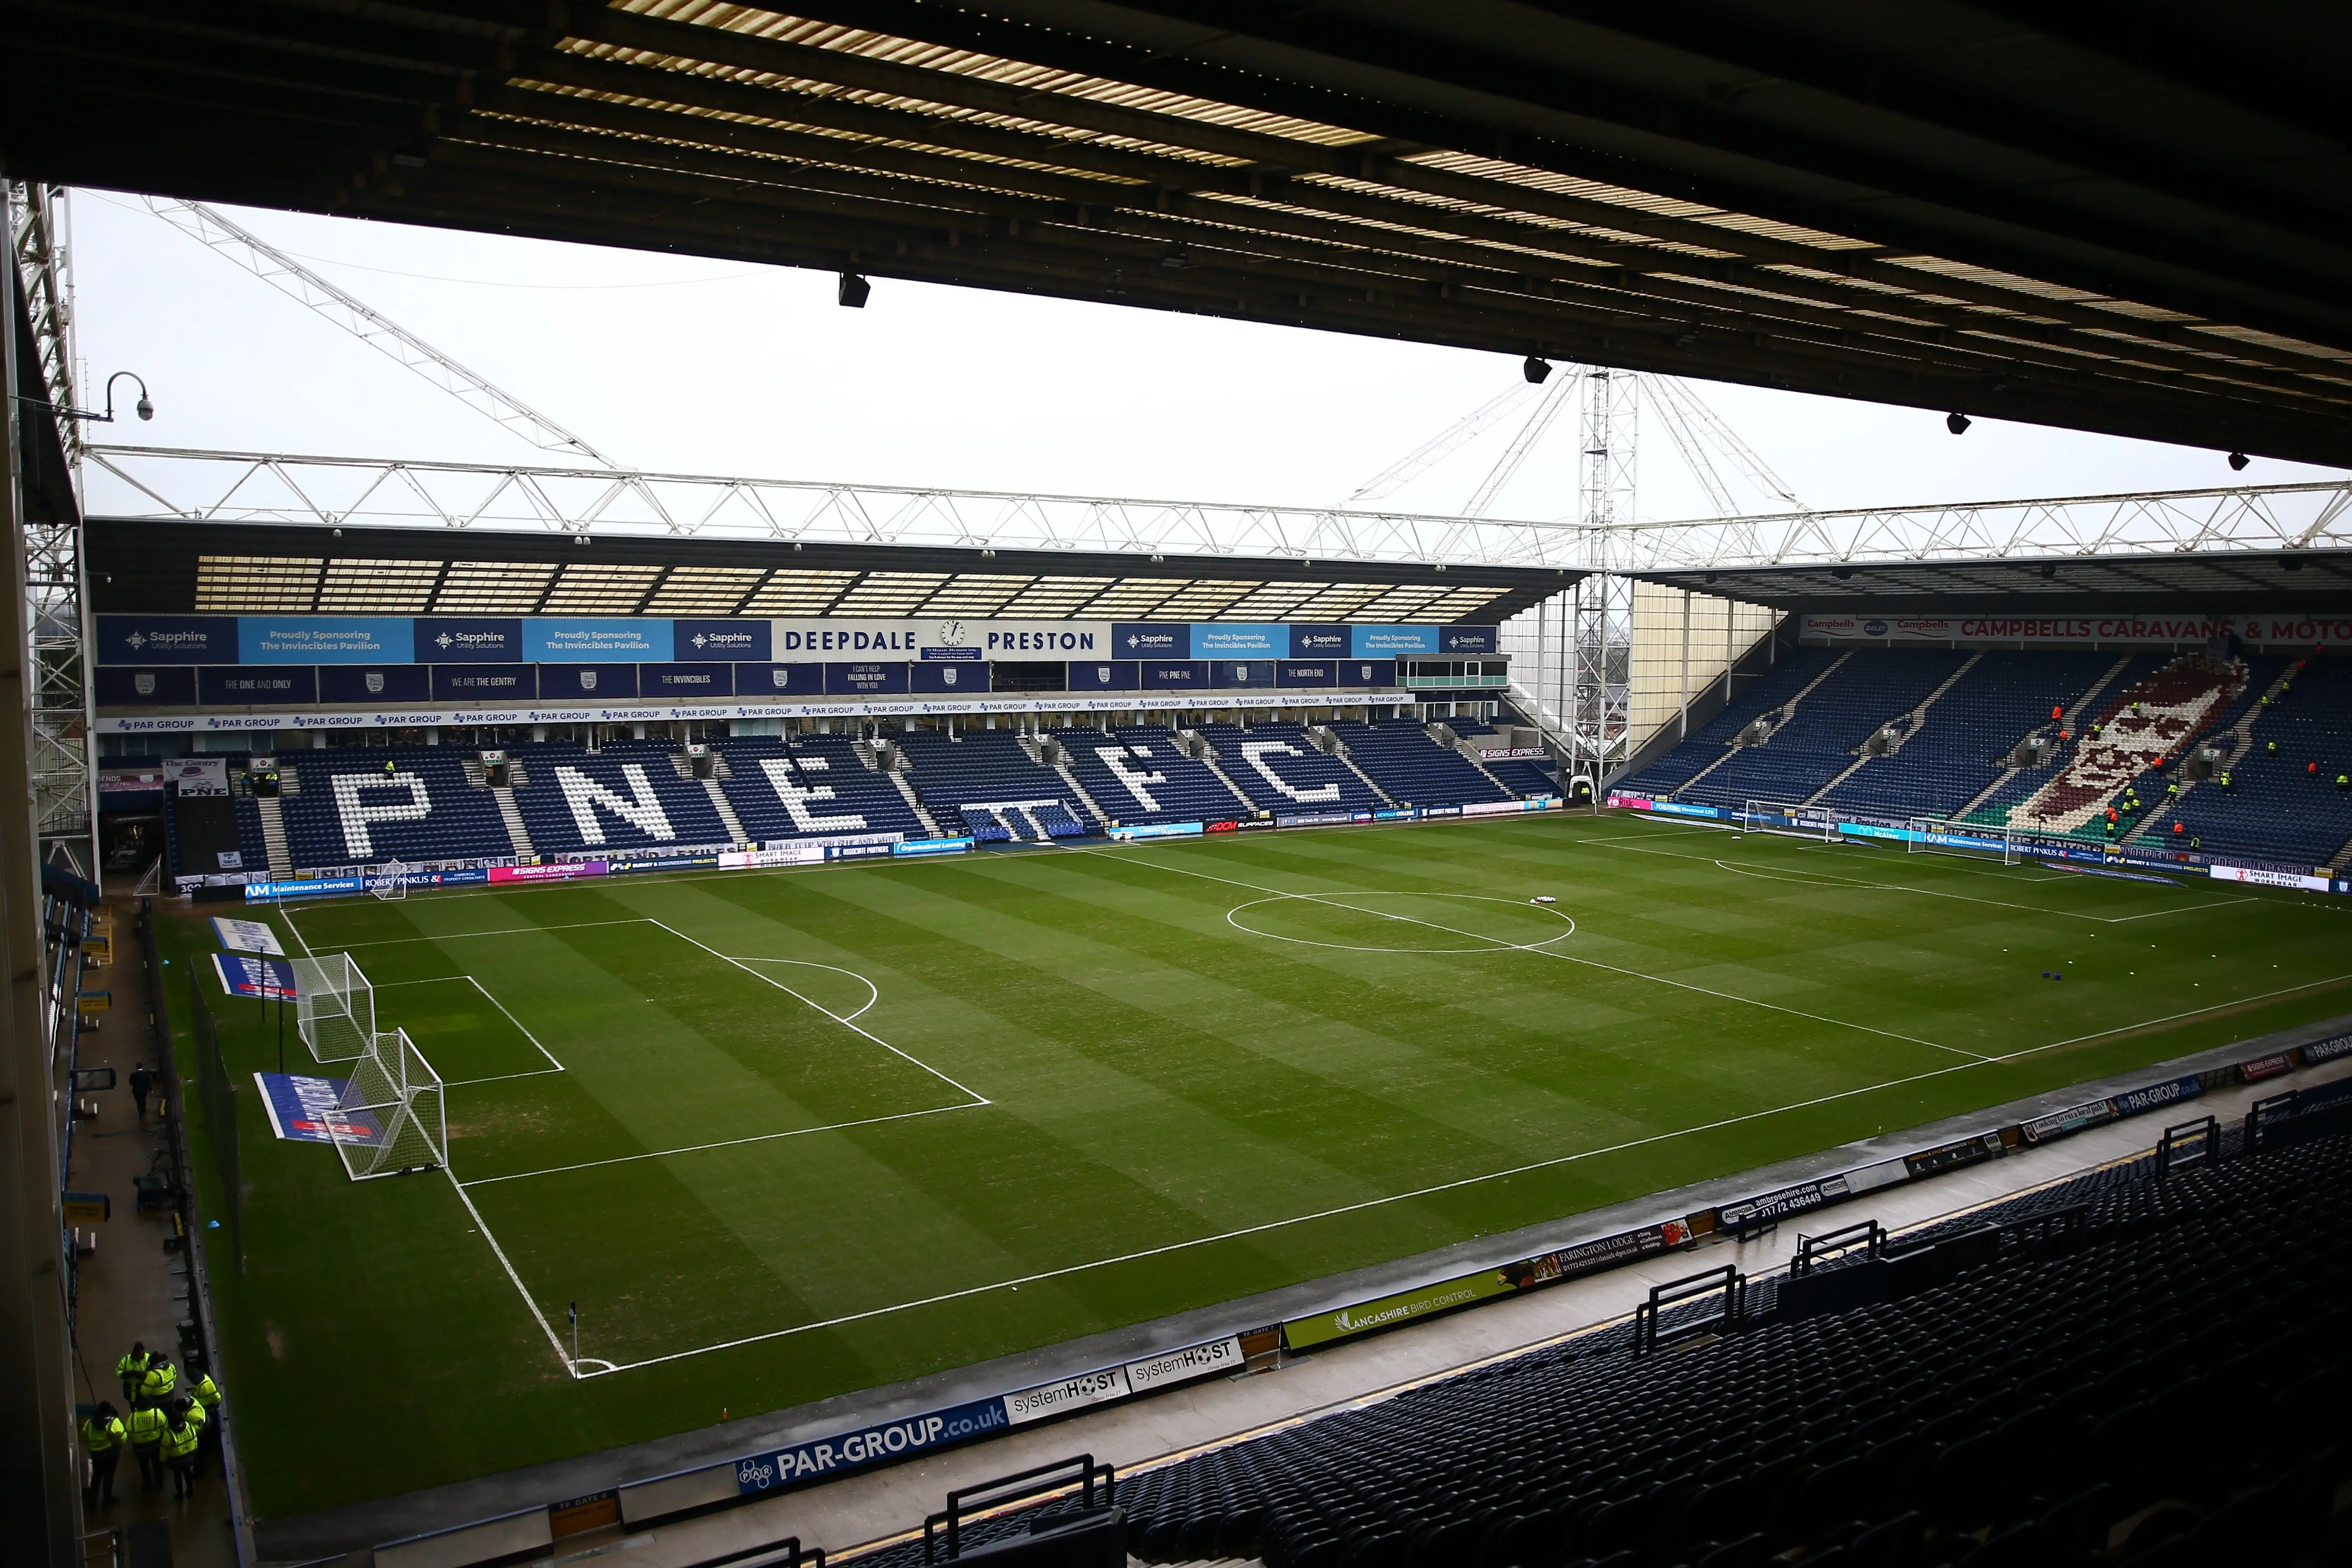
{"x":1956,"y":423}
{"x":144,"y":407}
{"x":1536,"y":370}
{"x":2238,"y":461}
{"x":854,"y":292}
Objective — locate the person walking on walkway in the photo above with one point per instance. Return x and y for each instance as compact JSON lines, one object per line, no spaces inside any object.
{"x":142,"y":1083}
{"x":103,"y":1437}
{"x":147,"y":1426}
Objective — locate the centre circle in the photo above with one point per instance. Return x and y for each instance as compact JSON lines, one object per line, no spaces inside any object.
{"x":1352,"y":903}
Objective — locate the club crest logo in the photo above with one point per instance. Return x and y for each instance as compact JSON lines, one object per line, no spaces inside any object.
{"x":779,"y":674}
{"x":145,"y":683}
{"x":1102,"y":673}
{"x":374,"y":681}
{"x":588,"y":681}
{"x":948,"y":676}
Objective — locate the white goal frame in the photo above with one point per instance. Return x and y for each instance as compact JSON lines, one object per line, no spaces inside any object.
{"x":396,"y":1088}
{"x":334,"y":1007}
{"x":1969,"y":840}
{"x":1788,"y":820}
{"x":390,"y":881}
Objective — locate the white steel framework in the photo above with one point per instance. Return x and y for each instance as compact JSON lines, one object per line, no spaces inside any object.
{"x":64,"y":777}
{"x":266,"y":486}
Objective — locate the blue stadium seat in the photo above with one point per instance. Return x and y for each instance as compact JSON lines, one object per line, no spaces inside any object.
{"x":815,"y":787}
{"x":979,"y":769}
{"x":629,"y":797}
{"x":1399,"y":756}
{"x":1137,"y":774}
{"x":347,"y":811}
{"x":1279,"y":768}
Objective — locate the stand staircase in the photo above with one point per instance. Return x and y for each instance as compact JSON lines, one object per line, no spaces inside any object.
{"x":273,"y":837}
{"x":1778,"y":717}
{"x":1331,"y":745}
{"x":1910,"y":723}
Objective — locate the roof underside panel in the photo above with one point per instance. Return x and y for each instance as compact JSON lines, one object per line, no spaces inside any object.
{"x":230,"y":569}
{"x":2240,"y":582}
{"x":2128,"y":218}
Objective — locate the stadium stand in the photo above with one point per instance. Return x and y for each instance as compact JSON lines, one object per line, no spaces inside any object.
{"x":345,"y":809}
{"x":1520,"y":775}
{"x":988,"y":779}
{"x":1711,"y":744}
{"x":2275,"y":804}
{"x":1138,"y":773}
{"x":816,"y":786}
{"x":629,"y":795}
{"x":2136,"y":1366}
{"x":1399,"y":756}
{"x":1279,"y":767}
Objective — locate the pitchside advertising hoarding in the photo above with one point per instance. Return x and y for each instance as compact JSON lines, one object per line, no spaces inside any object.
{"x":2292,"y":631}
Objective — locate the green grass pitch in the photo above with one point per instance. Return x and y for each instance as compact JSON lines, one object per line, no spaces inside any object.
{"x":785,"y":1135}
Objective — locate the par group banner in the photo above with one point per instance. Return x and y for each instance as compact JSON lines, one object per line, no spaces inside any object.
{"x":269,"y":979}
{"x":302,"y":1110}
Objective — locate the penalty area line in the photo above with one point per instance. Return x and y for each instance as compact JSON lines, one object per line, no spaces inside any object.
{"x":725,"y":1142}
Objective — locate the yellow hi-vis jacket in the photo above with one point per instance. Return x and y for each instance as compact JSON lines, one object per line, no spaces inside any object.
{"x":147,"y":1427}
{"x":180,"y":1441}
{"x":103,"y":1436}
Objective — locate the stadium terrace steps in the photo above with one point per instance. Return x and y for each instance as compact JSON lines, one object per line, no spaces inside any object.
{"x":914,"y":802}
{"x":1775,"y":697}
{"x":1412,"y":768}
{"x":1275,"y":766}
{"x":1207,"y":757}
{"x":1844,"y":709}
{"x":1138,"y":773}
{"x":717,"y":796}
{"x":816,"y":786}
{"x":1330,"y":744}
{"x":511,"y":816}
{"x":1902,"y":726}
{"x":273,"y":837}
{"x":1958,"y":750}
{"x":982,"y":770}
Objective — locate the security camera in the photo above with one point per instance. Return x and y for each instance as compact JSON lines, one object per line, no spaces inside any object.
{"x":1958,"y":424}
{"x":146,"y":410}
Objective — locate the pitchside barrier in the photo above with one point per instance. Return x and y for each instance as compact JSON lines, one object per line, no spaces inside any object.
{"x":2280,"y":1120}
{"x":2081,"y":854}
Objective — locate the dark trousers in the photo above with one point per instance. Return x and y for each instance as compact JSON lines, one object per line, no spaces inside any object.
{"x":184,"y":1476}
{"x":101,"y":1488}
{"x":208,"y":1443}
{"x":151,"y":1464}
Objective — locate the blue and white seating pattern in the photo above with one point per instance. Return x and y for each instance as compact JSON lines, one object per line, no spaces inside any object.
{"x":349,"y":811}
{"x":814,"y":788}
{"x":1279,"y":768}
{"x":628,"y":796}
{"x":984,"y":777}
{"x":1399,"y":756}
{"x":1137,"y":774}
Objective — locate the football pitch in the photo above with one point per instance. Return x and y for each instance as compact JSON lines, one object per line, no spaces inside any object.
{"x":784,"y":1135}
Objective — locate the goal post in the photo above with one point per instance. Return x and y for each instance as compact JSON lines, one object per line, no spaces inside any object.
{"x":1971,"y":840}
{"x":334,"y":1007}
{"x":1789,"y":819}
{"x":390,"y":881}
{"x":390,"y":1118}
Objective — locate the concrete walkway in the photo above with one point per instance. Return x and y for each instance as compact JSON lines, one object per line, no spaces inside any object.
{"x":861,"y":1513}
{"x":131,"y":1287}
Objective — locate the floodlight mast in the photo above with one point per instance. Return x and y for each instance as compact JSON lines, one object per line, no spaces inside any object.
{"x":372,"y":327}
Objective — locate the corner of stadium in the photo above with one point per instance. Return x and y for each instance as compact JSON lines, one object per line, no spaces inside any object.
{"x":737,"y":1022}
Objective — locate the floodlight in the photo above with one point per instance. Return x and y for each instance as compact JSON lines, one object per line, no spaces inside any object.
{"x":1956,"y":423}
{"x":853,"y":290}
{"x":2238,"y":462}
{"x":1536,"y":370}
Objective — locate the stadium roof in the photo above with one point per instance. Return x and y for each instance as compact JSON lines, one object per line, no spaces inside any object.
{"x":218,"y":568}
{"x":2237,"y":581}
{"x":2128,"y":219}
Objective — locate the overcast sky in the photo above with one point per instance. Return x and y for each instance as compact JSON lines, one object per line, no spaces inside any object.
{"x":693,"y":365}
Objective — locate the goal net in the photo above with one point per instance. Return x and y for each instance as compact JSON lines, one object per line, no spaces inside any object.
{"x":334,"y":1007}
{"x":1789,"y":818}
{"x":390,"y":1119}
{"x":1974,"y":840}
{"x":391,"y":881}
